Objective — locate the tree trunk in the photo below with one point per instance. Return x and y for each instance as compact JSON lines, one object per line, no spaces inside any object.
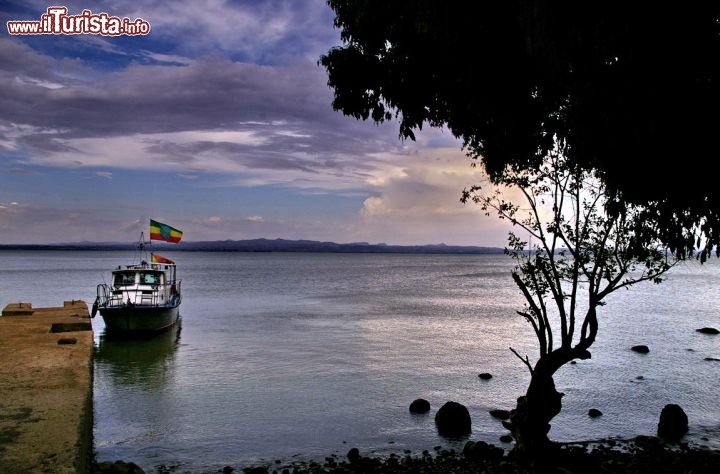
{"x":530,"y":421}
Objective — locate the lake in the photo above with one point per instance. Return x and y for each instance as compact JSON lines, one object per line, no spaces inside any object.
{"x":292,"y":356}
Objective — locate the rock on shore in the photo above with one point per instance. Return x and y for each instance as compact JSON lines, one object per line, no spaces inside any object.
{"x":673,"y":423}
{"x":642,"y":455}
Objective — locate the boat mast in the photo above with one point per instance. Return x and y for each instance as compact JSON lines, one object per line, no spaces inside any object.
{"x":142,"y":251}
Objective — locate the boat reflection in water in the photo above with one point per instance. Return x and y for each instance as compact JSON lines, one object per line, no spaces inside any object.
{"x":146,"y":362}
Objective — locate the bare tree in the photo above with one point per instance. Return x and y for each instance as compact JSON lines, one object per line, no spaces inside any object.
{"x":581,"y":245}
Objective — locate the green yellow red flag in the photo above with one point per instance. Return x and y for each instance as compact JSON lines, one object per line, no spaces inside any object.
{"x":160,"y":231}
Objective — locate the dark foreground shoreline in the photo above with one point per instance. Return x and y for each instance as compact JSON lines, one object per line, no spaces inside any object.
{"x":644,"y":454}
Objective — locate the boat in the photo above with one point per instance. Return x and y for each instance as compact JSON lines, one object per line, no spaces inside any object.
{"x":143,"y":297}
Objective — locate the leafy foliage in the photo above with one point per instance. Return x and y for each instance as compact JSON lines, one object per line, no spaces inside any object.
{"x":631,"y":88}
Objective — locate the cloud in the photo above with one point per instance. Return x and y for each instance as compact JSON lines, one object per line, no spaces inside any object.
{"x":221,"y":99}
{"x":419,"y":199}
{"x":169,"y":59}
{"x":209,"y":94}
{"x":39,"y":82}
{"x":26,"y":222}
{"x":260,"y":32}
{"x":262,"y":124}
{"x":255,"y":124}
{"x":20,"y":171}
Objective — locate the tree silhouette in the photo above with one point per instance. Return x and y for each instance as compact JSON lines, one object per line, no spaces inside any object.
{"x":574,"y":255}
{"x":632,"y":88}
{"x":610,"y":107}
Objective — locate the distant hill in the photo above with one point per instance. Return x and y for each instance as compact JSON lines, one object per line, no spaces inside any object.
{"x":269,"y":245}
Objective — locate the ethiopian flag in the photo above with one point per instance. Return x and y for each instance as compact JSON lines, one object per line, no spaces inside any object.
{"x":160,"y":231}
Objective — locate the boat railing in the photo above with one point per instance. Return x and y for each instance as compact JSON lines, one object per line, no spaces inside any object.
{"x":155,"y":295}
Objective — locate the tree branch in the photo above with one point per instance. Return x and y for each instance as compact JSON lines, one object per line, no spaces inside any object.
{"x":545,"y":322}
{"x":526,"y":360}
{"x":534,"y":308}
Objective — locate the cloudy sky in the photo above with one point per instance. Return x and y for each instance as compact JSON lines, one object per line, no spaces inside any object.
{"x":218,"y":122}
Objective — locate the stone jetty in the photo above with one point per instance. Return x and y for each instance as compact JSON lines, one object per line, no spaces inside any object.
{"x":46,"y":376}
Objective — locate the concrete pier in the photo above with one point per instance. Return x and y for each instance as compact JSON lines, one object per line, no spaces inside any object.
{"x":46,"y":376}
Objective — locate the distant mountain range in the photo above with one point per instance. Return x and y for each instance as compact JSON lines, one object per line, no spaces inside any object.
{"x":268,"y":245}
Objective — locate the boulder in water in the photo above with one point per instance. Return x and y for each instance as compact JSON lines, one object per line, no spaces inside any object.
{"x":420,"y":406}
{"x":453,"y":419}
{"x":673,"y":423}
{"x":500,"y":414}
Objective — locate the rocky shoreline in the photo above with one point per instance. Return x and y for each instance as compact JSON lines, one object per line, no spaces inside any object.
{"x":644,"y":454}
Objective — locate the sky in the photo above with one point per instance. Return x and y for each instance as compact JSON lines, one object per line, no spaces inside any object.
{"x":218,"y":122}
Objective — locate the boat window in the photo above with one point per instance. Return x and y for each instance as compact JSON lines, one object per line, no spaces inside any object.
{"x":149,"y":279}
{"x":124,"y":279}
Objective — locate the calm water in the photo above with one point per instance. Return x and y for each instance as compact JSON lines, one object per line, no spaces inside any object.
{"x":301,"y":356}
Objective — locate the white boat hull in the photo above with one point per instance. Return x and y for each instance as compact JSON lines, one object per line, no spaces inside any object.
{"x":139,"y":319}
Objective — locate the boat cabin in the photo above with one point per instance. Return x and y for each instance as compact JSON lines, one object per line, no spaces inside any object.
{"x":132,"y":277}
{"x":143,"y":285}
